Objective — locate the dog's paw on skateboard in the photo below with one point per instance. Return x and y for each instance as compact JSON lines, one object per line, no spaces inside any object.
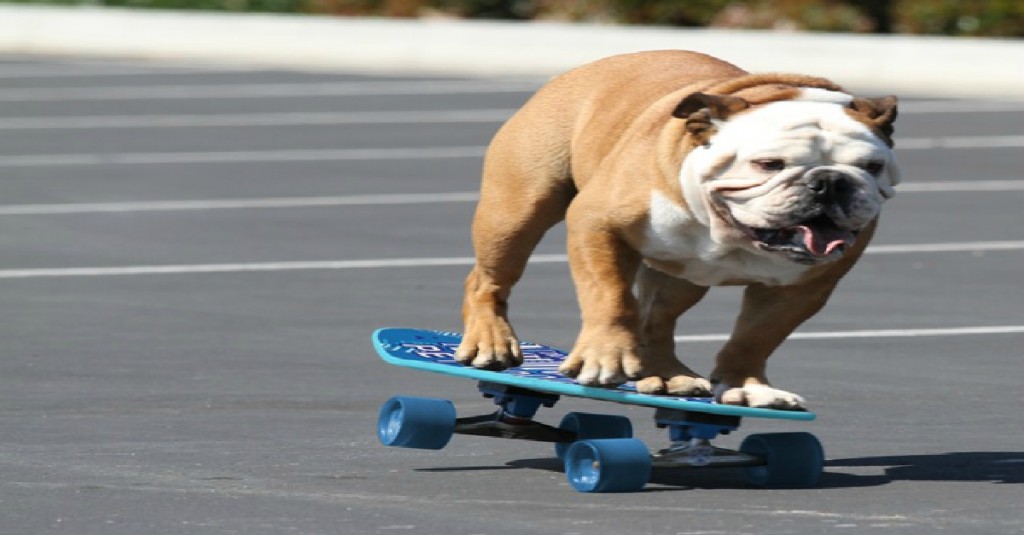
{"x":602,"y":359}
{"x":759,"y":396}
{"x":606,"y":370}
{"x":490,"y":349}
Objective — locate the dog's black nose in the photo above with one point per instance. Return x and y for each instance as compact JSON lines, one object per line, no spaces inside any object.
{"x":826,"y":185}
{"x":819,"y":185}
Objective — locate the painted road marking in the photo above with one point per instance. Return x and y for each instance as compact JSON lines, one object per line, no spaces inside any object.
{"x":381,"y":263}
{"x":393,"y":199}
{"x":137,"y":158}
{"x":255,"y":119}
{"x":279,"y":90}
{"x":873,"y":333}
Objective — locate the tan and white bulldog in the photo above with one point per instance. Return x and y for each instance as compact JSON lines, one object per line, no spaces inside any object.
{"x":676,"y":171}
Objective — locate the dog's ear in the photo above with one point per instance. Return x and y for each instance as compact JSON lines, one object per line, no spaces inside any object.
{"x":718,"y":106}
{"x":879,"y":113}
{"x":700,"y":109}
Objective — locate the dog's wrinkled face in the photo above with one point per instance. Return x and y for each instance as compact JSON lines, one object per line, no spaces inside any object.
{"x":797,"y":178}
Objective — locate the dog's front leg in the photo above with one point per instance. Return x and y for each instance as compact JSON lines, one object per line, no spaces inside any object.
{"x":769,"y":315}
{"x":607,"y":352}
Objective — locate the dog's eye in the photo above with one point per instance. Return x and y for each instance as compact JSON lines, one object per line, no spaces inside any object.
{"x":769,"y":164}
{"x":874,"y":168}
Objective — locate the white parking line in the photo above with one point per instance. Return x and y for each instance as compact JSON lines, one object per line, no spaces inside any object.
{"x":383,"y":263}
{"x":950,"y":247}
{"x":369,"y":87}
{"x":217,"y":204}
{"x":74,"y":70}
{"x":302,"y":155}
{"x":921,"y":107}
{"x":959,"y":142}
{"x":391,"y":199}
{"x":876,"y":333}
{"x":961,"y":186}
{"x":281,"y":90}
{"x":249,"y":267}
{"x":330,"y":118}
{"x":255,"y":119}
{"x":55,"y":160}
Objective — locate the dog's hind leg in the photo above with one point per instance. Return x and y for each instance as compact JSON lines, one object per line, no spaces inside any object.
{"x":662,"y":299}
{"x":526,"y":190}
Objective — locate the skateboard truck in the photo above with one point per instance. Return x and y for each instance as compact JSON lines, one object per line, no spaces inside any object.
{"x":691,"y":434}
{"x":514,"y":417}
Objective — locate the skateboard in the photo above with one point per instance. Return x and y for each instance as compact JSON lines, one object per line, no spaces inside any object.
{"x":598,"y":450}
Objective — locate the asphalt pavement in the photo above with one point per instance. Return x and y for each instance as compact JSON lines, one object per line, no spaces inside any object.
{"x":193,"y":258}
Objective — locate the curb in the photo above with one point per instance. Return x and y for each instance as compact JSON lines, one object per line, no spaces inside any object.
{"x":919,"y":65}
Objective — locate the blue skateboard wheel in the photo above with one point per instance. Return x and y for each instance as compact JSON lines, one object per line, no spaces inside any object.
{"x":608,"y":465}
{"x":791,"y":459}
{"x":589,"y":426}
{"x":411,"y":422}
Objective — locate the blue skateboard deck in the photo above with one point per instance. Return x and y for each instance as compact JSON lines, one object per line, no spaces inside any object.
{"x":434,"y":351}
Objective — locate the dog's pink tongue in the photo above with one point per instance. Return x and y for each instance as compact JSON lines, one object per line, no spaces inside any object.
{"x":823,"y":241}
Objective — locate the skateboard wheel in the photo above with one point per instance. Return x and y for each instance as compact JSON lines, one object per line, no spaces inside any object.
{"x":589,"y":426}
{"x":791,"y":459}
{"x":421,"y":423}
{"x":608,"y":465}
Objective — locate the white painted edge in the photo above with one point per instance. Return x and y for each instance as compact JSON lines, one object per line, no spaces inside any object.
{"x":874,"y":333}
{"x":980,"y":186}
{"x":299,"y":155}
{"x":382,"y":263}
{"x":892,"y":64}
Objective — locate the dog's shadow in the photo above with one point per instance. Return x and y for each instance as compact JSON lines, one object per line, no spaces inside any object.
{"x":993,"y":467}
{"x":984,"y":466}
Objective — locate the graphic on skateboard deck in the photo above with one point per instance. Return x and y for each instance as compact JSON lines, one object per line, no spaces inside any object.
{"x":599,"y":452}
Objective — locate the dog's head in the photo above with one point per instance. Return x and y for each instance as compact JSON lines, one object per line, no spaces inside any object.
{"x":798,"y":177}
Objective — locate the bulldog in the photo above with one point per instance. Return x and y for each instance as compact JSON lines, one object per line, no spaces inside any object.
{"x":676,"y":172}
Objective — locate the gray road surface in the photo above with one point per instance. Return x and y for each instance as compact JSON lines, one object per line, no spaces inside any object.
{"x":186,"y":336}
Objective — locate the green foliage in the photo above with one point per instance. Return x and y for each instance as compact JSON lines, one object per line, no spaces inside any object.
{"x":489,"y":9}
{"x":276,"y":6}
{"x":668,"y":12}
{"x":1000,"y":18}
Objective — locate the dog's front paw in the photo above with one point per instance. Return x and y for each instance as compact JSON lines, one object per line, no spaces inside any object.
{"x":489,"y":345}
{"x":759,"y":396}
{"x":603,"y":359}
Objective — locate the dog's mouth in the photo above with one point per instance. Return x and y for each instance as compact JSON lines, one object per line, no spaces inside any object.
{"x":812,"y":241}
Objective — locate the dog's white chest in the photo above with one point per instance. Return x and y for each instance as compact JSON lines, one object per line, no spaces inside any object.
{"x":682,"y":246}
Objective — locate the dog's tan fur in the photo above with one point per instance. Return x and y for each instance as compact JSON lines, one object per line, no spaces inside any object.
{"x":591,"y":146}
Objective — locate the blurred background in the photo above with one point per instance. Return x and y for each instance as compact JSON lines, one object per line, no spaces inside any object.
{"x":978,"y":18}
